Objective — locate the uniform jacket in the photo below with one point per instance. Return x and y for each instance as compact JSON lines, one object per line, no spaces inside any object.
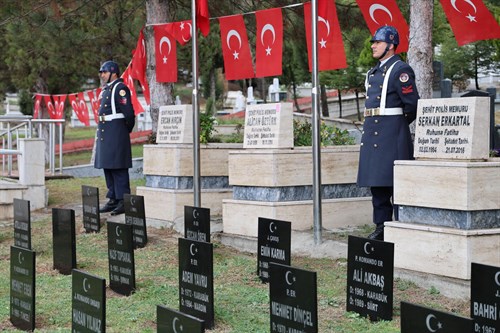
{"x":387,"y":138}
{"x":113,"y":150}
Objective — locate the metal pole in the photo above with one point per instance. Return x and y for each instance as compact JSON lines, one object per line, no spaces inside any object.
{"x":60,"y":148}
{"x":316,"y":147}
{"x":196,"y":108}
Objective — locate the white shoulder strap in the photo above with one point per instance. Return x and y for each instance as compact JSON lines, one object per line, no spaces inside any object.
{"x":113,"y":107}
{"x":384,"y":87}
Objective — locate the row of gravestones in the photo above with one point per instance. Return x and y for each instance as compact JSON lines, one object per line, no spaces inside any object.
{"x":293,"y":291}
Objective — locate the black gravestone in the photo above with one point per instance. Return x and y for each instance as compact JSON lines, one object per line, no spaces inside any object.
{"x":22,"y":224}
{"x":196,"y":280}
{"x":197,"y":223}
{"x":171,"y":321}
{"x":485,"y":298}
{"x":121,"y":258}
{"x":63,"y":240}
{"x":293,"y":299}
{"x":91,"y":216}
{"x":135,"y":215}
{"x":273,"y":244}
{"x":88,"y":303}
{"x":370,"y":277}
{"x":419,"y":319}
{"x":22,"y":288}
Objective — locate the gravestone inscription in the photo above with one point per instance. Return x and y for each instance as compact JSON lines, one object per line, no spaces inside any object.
{"x":172,"y":321}
{"x":370,"y":277}
{"x":121,"y":258}
{"x":22,"y":288}
{"x":91,"y":216}
{"x":88,"y":303}
{"x":175,"y":124}
{"x":197,"y":223}
{"x":63,"y":240}
{"x":135,"y":215}
{"x":485,"y":298}
{"x":268,"y":126}
{"x":22,"y":224}
{"x":273,"y":244}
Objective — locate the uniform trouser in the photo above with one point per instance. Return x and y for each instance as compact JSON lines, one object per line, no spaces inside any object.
{"x":383,"y":207}
{"x":117,"y":182}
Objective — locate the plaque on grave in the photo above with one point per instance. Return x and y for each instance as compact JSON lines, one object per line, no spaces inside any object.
{"x":370,"y":278}
{"x":88,"y":303}
{"x":485,"y":298}
{"x":171,"y":321}
{"x":22,"y":224}
{"x":91,"y":216}
{"x":273,"y":244}
{"x":63,"y":240}
{"x":269,"y":126}
{"x":121,"y":258}
{"x":197,"y":223}
{"x":135,"y":216}
{"x":22,"y":288}
{"x":418,"y":319}
{"x":175,"y":124}
{"x":293,"y":297}
{"x":196,"y":288}
{"x":453,"y":128}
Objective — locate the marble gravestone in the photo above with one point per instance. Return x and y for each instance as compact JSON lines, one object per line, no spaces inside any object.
{"x":172,"y":321}
{"x":22,"y":288}
{"x":273,"y":245}
{"x":63,"y":240}
{"x":135,"y":215}
{"x":88,"y":303}
{"x":175,"y":124}
{"x":91,"y":215}
{"x":197,"y":223}
{"x":121,"y":258}
{"x":22,"y":224}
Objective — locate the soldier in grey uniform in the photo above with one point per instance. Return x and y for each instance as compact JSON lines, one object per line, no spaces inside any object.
{"x":391,"y":105}
{"x":113,"y":152}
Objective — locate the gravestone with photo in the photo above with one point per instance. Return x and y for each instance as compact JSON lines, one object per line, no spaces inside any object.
{"x":135,"y":215}
{"x":121,"y":258}
{"x":22,"y":224}
{"x":197,"y":223}
{"x":88,"y":303}
{"x":172,"y":321}
{"x":485,"y":298}
{"x":63,"y":240}
{"x":274,"y":245}
{"x":370,"y":278}
{"x":175,"y":124}
{"x":196,"y":288}
{"x":91,"y":215}
{"x":22,"y":288}
{"x":293,"y":299}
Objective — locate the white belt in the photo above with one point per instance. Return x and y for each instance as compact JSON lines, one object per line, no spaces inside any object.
{"x":383,"y":112}
{"x":109,"y":117}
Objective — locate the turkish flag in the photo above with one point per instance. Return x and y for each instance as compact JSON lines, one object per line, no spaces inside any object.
{"x":129,"y":82}
{"x":269,"y":48}
{"x":80,"y":108}
{"x":331,"y":54}
{"x":470,"y":21}
{"x":36,"y":107}
{"x":56,"y":108}
{"x":235,"y":48}
{"x":95,"y":96}
{"x":181,"y":31}
{"x":165,"y":54}
{"x":203,"y":17}
{"x":378,"y":13}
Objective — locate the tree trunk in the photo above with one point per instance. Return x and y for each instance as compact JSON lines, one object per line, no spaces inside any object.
{"x":340,"y":102}
{"x":356,"y":91}
{"x":157,"y":11}
{"x":324,"y":102}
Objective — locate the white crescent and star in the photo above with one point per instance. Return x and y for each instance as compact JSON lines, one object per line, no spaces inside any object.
{"x":165,"y":39}
{"x":272,"y":229}
{"x":368,"y":250}
{"x":132,"y":200}
{"x":174,"y":325}
{"x":20,"y":258}
{"x":429,"y":326}
{"x":497,"y":278}
{"x":287,"y":278}
{"x":470,"y":16}
{"x":233,"y":33}
{"x":195,"y":214}
{"x":267,"y":27}
{"x":377,"y":6}
{"x":85,"y":288}
{"x":322,"y":42}
{"x":192,"y":249}
{"x":190,"y":28}
{"x":118,"y":231}
{"x":88,"y":191}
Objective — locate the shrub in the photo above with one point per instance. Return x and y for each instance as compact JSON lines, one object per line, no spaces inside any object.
{"x":329,"y":136}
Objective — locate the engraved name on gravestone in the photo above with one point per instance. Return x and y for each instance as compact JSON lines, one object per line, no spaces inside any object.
{"x":269,"y":126}
{"x":453,"y":128}
{"x":171,"y":321}
{"x":63,"y":240}
{"x":196,"y":288}
{"x":197,"y":223}
{"x":370,"y":278}
{"x":485,"y":298}
{"x":420,"y":319}
{"x":88,"y":303}
{"x":273,"y":244}
{"x":175,"y":124}
{"x":135,"y":215}
{"x":91,"y":216}
{"x":22,"y":224}
{"x":121,"y":258}
{"x":293,"y":299}
{"x":22,"y":288}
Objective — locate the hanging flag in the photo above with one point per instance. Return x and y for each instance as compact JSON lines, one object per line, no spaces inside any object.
{"x":378,"y":13}
{"x":56,"y":108}
{"x":138,"y":64}
{"x":470,"y":21}
{"x":36,"y":107}
{"x":203,"y":17}
{"x":235,"y":48}
{"x":129,"y":82}
{"x":181,"y":31}
{"x":331,"y":54}
{"x":165,"y":54}
{"x":269,"y":40}
{"x":94,"y":97}
{"x":79,"y":107}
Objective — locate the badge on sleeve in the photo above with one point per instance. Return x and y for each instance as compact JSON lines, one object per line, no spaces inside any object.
{"x":123,"y":93}
{"x":404,"y":77}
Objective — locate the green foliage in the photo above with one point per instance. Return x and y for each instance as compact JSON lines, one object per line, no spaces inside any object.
{"x":329,"y":136}
{"x":207,"y":128}
{"x":26,"y":103}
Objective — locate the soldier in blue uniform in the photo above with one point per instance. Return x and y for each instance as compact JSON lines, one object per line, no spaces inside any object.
{"x":113,"y":152}
{"x":391,"y":105}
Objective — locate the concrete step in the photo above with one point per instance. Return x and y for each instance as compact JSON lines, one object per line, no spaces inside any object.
{"x":9,"y":190}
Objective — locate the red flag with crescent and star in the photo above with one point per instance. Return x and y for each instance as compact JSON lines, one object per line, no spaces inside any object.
{"x":378,"y":13}
{"x":36,"y":107}
{"x":129,"y":82}
{"x":165,"y":54}
{"x":79,"y":107}
{"x":56,"y":108}
{"x":269,"y":40}
{"x":235,"y":48}
{"x":470,"y":20}
{"x":94,"y":97}
{"x":331,"y":54}
{"x":138,"y":66}
{"x":181,"y":31}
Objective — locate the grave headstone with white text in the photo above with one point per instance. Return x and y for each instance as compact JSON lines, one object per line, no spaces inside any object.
{"x":63,"y":240}
{"x":172,"y":321}
{"x":175,"y":124}
{"x":91,"y":215}
{"x":22,"y":288}
{"x":485,"y":298}
{"x":121,"y":258}
{"x":274,"y":245}
{"x":22,"y":224}
{"x":135,"y":215}
{"x":88,"y":303}
{"x":197,"y":223}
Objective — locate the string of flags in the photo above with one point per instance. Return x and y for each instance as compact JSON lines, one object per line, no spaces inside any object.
{"x":470,"y":21}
